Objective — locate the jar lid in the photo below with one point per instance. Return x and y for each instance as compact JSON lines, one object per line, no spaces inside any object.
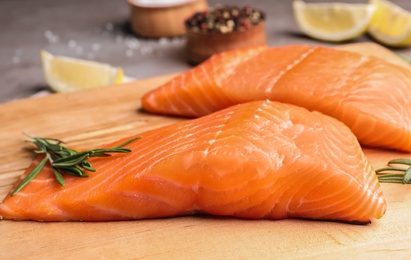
{"x":159,"y":3}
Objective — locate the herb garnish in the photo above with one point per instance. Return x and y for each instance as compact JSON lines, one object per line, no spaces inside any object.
{"x":386,"y":174}
{"x":65,"y":160}
{"x":405,"y":57}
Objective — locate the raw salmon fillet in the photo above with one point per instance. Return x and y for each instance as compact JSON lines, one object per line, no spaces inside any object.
{"x":369,"y":95}
{"x":254,"y":160}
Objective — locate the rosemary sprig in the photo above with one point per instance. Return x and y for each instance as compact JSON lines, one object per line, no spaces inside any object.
{"x":387,"y":174}
{"x":64,"y":160}
{"x":405,"y":57}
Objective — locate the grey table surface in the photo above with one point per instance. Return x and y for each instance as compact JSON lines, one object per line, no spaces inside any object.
{"x":99,"y":30}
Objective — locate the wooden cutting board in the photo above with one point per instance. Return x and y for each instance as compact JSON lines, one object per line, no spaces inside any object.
{"x":94,"y":117}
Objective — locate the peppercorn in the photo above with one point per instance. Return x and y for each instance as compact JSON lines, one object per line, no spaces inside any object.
{"x":224,"y":19}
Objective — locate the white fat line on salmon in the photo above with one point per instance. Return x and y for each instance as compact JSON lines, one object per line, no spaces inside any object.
{"x":348,"y":75}
{"x":304,"y":56}
{"x":258,"y":111}
{"x":205,"y":152}
{"x":210,"y":100}
{"x":218,"y":132}
{"x":43,"y":180}
{"x":156,"y":152}
{"x":180,"y":101}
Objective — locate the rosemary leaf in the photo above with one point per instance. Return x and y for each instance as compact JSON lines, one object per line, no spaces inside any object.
{"x":391,"y":176}
{"x":407,"y":176}
{"x":378,"y":171}
{"x":59,"y":177}
{"x":400,"y":161}
{"x":30,"y":176}
{"x":65,"y":160}
{"x":98,"y":153}
{"x":73,"y":170}
{"x":405,"y":57}
{"x":70,"y":160}
{"x":129,"y":141}
{"x":104,"y":152}
{"x":385,"y":174}
{"x":390,"y":180}
{"x":87,"y":166}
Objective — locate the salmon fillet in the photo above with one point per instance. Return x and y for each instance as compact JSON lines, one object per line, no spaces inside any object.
{"x":369,"y":95}
{"x":256,"y":160}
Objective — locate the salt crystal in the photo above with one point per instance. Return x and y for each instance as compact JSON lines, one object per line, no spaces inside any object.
{"x":16,"y":60}
{"x":163,"y":41}
{"x":48,"y":34}
{"x":51,"y":37}
{"x":95,"y":47}
{"x":132,"y":43}
{"x":72,"y":43}
{"x":129,"y":53}
{"x":17,"y":56}
{"x":146,"y":49}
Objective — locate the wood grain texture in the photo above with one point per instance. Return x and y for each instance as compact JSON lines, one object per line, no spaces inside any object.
{"x":93,"y":117}
{"x":82,"y":119}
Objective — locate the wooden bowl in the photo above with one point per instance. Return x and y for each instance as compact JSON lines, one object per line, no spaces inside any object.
{"x":201,"y":45}
{"x":162,"y":20}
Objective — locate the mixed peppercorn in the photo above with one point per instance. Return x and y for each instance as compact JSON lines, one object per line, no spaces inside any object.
{"x":224,"y":19}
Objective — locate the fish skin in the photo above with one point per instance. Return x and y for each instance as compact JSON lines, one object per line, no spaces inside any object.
{"x":369,"y":95}
{"x":256,"y":160}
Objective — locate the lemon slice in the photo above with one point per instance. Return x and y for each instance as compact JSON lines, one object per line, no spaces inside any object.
{"x":391,"y":24}
{"x":65,"y":74}
{"x":334,"y":22}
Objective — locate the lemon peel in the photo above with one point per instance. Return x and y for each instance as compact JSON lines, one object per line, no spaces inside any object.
{"x":66,"y":74}
{"x":333,"y":22}
{"x":391,"y":24}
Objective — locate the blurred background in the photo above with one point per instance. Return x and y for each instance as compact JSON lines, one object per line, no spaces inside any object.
{"x":99,"y":30}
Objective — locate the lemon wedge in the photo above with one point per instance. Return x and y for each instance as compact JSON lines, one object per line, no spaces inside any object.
{"x":65,"y":74}
{"x":391,"y":24}
{"x":334,"y":22}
